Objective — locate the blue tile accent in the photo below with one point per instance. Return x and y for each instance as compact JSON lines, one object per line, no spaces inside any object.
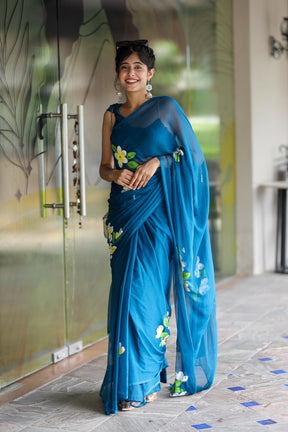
{"x":286,"y":385}
{"x":285,"y":337}
{"x":235,"y":389}
{"x":266,"y":422}
{"x":279,"y":372}
{"x":249,"y":404}
{"x":201,"y":426}
{"x":191,"y":408}
{"x":266,"y":359}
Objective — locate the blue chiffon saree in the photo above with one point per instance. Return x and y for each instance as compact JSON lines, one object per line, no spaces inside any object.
{"x":158,"y":238}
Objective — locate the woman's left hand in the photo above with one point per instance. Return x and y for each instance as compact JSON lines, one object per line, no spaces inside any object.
{"x":144,"y":172}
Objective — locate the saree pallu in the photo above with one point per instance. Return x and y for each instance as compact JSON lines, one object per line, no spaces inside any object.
{"x":159,"y":237}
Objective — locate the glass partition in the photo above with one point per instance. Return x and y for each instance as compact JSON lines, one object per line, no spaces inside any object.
{"x":32,"y":301}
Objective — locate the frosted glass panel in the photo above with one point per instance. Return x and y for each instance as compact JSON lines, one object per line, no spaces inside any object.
{"x":32,"y":301}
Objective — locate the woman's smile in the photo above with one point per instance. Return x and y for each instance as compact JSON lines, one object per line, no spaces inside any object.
{"x":131,"y":81}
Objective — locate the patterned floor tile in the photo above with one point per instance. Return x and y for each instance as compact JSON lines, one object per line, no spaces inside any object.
{"x":266,"y":422}
{"x":249,"y":404}
{"x":266,"y":359}
{"x":191,"y":408}
{"x":236,"y":389}
{"x":201,"y":426}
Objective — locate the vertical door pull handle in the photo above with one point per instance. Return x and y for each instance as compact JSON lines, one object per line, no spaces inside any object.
{"x":65,"y":161}
{"x":82,"y":161}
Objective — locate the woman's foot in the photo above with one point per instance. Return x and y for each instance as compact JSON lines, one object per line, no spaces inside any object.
{"x":125,"y":405}
{"x":152,"y":397}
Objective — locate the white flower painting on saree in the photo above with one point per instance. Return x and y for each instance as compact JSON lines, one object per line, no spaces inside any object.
{"x":163,"y":331}
{"x":184,"y":274}
{"x":121,"y":349}
{"x":204,"y":287}
{"x":199,"y":266}
{"x":121,"y":156}
{"x":125,"y":158}
{"x":113,"y":237}
{"x":176,"y":389}
{"x":201,"y":272}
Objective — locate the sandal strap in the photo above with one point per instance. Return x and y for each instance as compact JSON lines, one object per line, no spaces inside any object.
{"x":124,"y":405}
{"x":138,"y":406}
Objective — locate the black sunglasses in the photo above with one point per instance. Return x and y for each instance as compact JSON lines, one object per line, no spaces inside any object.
{"x":121,"y":44}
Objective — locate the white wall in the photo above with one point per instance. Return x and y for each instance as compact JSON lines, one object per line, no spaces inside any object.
{"x":261,"y":114}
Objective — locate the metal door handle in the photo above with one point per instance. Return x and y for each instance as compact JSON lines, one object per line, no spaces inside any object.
{"x":82,"y":161}
{"x":65,"y":158}
{"x":65,"y":161}
{"x":41,"y":162}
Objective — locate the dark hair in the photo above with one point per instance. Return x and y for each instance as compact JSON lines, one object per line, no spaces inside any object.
{"x":145,"y":53}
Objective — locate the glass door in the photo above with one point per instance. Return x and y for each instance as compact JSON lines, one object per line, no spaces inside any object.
{"x":32,"y":294}
{"x":54,"y":269}
{"x":83,"y":47}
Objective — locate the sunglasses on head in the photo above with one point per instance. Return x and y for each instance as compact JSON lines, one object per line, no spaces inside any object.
{"x":121,"y":44}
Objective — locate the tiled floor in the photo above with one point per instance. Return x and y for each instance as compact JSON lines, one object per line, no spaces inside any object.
{"x":250,"y":392}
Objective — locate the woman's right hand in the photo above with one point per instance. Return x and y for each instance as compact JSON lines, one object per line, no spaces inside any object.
{"x":122,"y":177}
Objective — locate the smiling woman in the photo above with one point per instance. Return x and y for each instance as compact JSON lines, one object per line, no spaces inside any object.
{"x":157,"y":229}
{"x":132,"y":72}
{"x":133,"y":76}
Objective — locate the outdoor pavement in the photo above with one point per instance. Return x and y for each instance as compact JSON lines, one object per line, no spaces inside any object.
{"x":250,"y":392}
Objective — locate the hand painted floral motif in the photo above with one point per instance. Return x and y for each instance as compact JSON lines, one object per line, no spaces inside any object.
{"x":200,"y":272}
{"x":198,"y":267}
{"x":110,"y":232}
{"x":185,"y":275}
{"x":204,"y":287}
{"x":112,"y":250}
{"x":121,"y":349}
{"x":163,"y":331}
{"x":120,"y":155}
{"x":118,"y":234}
{"x":125,"y":158}
{"x":179,"y":152}
{"x":176,"y":389}
{"x":112,"y":238}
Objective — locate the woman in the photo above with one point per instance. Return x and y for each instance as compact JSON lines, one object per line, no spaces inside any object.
{"x":157,"y":231}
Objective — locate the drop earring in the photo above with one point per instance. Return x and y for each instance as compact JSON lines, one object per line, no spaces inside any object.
{"x":148,"y":90}
{"x":117,"y":87}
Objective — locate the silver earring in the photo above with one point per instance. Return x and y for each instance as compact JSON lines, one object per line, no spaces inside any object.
{"x":148,"y":90}
{"x":117,"y":87}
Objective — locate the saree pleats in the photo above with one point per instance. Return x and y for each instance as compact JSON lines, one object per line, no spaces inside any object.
{"x":157,"y":234}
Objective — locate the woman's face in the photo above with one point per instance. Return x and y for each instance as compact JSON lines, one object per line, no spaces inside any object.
{"x":133,"y":74}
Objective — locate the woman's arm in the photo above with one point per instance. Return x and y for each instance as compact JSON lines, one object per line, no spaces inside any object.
{"x":107,"y":170}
